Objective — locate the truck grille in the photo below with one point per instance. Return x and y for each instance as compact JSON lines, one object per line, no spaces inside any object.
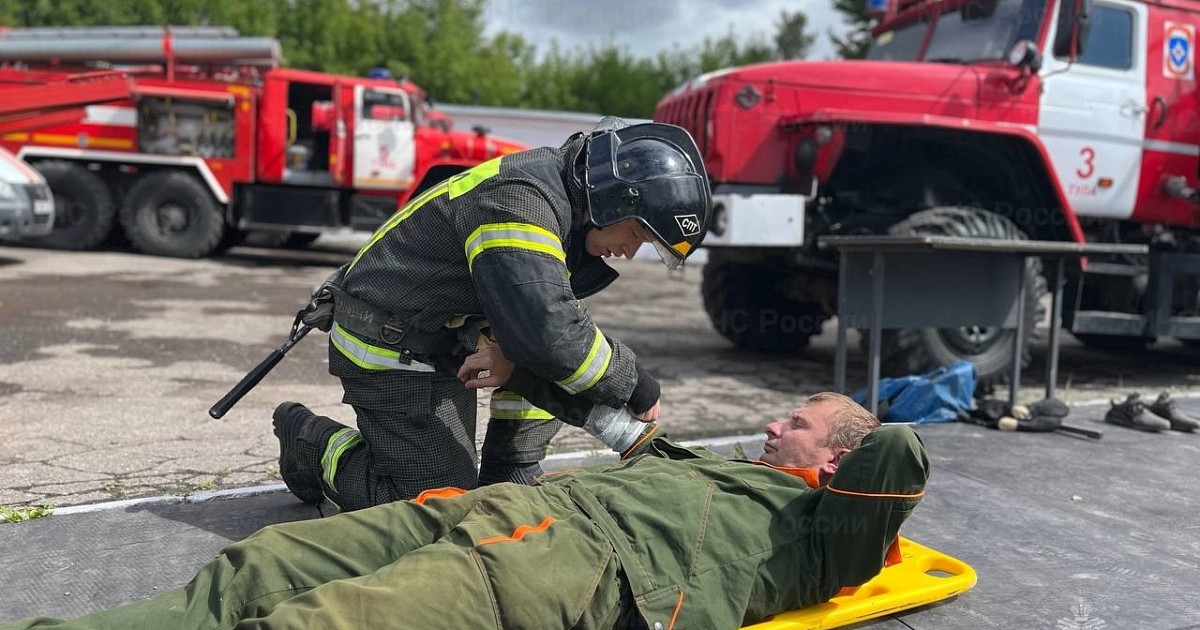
{"x":692,"y":111}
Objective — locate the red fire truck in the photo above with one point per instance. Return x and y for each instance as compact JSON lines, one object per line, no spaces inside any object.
{"x":218,"y":140}
{"x":1071,"y":120}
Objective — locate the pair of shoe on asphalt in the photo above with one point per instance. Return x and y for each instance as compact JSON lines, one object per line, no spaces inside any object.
{"x":1160,"y":415}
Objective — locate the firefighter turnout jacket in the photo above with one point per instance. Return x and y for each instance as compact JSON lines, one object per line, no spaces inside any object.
{"x":502,"y":241}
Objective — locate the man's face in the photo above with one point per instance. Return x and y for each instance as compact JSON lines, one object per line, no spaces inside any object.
{"x":798,"y":441}
{"x":620,"y":239}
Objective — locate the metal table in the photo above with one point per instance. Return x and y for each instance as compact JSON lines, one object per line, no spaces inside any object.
{"x":945,"y":282}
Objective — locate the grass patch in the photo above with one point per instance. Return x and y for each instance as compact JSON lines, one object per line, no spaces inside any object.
{"x":18,"y":514}
{"x":221,"y":474}
{"x":115,"y":488}
{"x":209,"y":484}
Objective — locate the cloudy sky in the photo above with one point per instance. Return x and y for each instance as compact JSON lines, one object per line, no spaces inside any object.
{"x":647,"y":26}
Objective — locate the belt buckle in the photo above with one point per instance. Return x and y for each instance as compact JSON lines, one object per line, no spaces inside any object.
{"x":392,"y":332}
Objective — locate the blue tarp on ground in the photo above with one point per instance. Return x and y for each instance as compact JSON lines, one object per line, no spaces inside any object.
{"x":939,"y":396}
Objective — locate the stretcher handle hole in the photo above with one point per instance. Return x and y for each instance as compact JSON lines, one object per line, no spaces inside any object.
{"x":938,"y":573}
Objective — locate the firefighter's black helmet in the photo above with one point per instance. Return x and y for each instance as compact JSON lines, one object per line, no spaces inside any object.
{"x":651,"y":172}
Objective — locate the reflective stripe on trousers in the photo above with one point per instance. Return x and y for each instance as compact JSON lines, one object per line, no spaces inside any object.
{"x":508,"y":405}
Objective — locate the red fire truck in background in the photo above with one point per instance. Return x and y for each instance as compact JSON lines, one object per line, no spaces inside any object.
{"x":218,"y":140}
{"x":1070,"y":120}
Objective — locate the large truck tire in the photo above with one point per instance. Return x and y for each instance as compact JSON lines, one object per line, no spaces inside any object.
{"x":915,"y":350}
{"x":747,"y":305}
{"x":83,"y":206}
{"x":170,"y":213}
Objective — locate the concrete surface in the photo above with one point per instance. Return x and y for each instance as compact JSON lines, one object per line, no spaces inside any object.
{"x":110,"y":360}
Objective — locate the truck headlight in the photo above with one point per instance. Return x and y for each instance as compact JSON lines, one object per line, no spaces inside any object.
{"x":7,"y":191}
{"x":805,"y":156}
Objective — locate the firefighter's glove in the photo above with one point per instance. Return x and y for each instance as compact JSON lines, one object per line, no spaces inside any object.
{"x":645,"y":393}
{"x":319,"y":312}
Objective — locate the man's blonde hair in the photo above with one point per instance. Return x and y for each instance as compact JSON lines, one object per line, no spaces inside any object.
{"x":849,"y":424}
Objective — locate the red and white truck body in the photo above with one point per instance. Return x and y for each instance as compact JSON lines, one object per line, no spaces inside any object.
{"x":274,"y":148}
{"x":1072,"y":119}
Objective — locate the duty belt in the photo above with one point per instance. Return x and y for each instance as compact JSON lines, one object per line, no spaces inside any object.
{"x":381,"y":338}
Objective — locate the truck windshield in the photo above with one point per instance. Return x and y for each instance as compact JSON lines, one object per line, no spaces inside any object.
{"x":900,"y":44}
{"x":981,"y":30}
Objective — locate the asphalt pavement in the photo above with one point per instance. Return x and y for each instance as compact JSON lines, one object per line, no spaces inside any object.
{"x":110,"y":360}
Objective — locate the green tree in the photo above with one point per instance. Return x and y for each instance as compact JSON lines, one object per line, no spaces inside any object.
{"x":792,"y":41}
{"x":854,"y":44}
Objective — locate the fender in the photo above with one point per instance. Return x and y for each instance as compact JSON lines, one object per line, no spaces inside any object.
{"x":1027,"y":133}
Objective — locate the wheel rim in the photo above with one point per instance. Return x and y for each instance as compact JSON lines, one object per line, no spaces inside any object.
{"x":171,"y":219}
{"x":971,"y":340}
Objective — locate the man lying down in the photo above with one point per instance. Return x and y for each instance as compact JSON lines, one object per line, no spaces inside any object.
{"x":670,"y":537}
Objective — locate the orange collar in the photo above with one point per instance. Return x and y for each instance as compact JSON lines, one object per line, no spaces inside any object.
{"x":810,"y":475}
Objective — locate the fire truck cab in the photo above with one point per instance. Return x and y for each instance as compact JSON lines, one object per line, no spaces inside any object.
{"x":218,"y":140}
{"x":1043,"y":119}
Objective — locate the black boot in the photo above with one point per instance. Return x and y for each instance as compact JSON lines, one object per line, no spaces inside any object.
{"x":1133,"y":414}
{"x":302,"y":439}
{"x":1165,"y":406}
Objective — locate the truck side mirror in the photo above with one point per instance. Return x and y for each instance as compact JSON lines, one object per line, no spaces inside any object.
{"x":1025,"y":55}
{"x":1074,"y":23}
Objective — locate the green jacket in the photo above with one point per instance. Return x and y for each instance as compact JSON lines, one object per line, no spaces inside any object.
{"x":719,"y":543}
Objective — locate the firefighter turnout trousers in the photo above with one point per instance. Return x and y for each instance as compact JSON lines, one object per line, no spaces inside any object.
{"x":416,"y":430}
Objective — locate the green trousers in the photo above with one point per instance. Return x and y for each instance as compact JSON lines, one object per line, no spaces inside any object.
{"x":470,"y":561}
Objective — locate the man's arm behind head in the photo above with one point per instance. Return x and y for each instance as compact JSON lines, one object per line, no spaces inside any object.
{"x":874,"y":490}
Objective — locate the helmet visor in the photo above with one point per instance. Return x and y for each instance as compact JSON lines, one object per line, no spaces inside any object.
{"x":670,"y":257}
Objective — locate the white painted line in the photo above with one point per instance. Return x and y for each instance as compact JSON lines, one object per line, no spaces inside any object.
{"x":115,"y":505}
{"x":199,"y":497}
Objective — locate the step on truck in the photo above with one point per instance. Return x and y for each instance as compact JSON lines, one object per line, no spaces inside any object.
{"x":1064,"y":120}
{"x":218,"y":140}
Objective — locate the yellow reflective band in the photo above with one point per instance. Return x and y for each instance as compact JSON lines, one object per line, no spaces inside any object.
{"x":683,"y":247}
{"x":519,"y":235}
{"x":511,"y":406}
{"x":370,"y":357}
{"x":592,"y":368}
{"x":403,"y":214}
{"x":340,"y":442}
{"x":463,"y":183}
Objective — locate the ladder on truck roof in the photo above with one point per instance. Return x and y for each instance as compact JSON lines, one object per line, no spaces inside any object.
{"x":25,"y":106}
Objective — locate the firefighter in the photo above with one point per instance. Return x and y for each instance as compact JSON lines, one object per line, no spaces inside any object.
{"x":677,"y":538}
{"x":500,"y":254}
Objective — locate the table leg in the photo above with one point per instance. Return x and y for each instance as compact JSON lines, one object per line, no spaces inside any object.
{"x":1055,"y":328}
{"x":876,"y":331}
{"x":839,"y":369}
{"x":1019,"y":338}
